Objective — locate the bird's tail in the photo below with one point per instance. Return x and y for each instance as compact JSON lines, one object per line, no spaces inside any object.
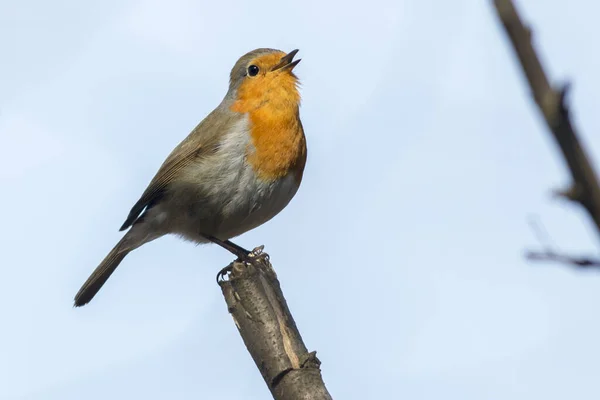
{"x":102,"y":273}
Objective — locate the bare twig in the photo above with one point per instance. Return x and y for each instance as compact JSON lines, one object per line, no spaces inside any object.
{"x":548,"y":255}
{"x":259,"y":310}
{"x":551,"y":102}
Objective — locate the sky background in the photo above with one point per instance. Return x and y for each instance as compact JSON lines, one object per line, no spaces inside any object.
{"x":401,"y":257}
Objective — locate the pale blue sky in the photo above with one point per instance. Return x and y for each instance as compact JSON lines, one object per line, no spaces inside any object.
{"x":401,"y":255}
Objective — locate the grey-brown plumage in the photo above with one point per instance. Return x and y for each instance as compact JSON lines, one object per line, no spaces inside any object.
{"x":206,"y":190}
{"x":100,"y":275}
{"x":201,"y":140}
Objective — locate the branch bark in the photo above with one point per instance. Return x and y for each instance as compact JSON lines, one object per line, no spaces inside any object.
{"x":551,"y":102}
{"x":259,"y":310}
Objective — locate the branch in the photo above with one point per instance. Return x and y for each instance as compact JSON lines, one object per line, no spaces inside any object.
{"x":548,"y":255}
{"x":551,"y":102}
{"x":259,"y":310}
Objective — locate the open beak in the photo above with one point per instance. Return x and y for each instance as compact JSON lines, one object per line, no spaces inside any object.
{"x":286,"y":61}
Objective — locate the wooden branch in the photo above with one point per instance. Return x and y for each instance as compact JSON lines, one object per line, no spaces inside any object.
{"x":551,"y":102}
{"x":259,"y":310}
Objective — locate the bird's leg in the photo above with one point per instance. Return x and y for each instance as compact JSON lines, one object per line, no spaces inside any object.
{"x":241,"y":253}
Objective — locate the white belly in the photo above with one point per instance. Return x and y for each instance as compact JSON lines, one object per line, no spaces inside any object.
{"x":254,"y":204}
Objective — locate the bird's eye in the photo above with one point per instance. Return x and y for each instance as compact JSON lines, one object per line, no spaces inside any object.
{"x":253,"y":70}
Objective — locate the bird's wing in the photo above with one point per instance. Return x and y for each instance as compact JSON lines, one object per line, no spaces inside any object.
{"x":198,"y":143}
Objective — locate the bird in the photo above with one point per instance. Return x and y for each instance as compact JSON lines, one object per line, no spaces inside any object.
{"x":237,"y":169}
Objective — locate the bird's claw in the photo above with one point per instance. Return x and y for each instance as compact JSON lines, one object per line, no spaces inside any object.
{"x":257,"y":254}
{"x":223,"y":273}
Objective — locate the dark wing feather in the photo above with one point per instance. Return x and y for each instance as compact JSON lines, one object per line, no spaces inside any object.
{"x":161,"y":180}
{"x":201,"y":141}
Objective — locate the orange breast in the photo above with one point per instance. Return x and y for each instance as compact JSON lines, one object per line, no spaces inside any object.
{"x":276,"y":131}
{"x":280,"y":147}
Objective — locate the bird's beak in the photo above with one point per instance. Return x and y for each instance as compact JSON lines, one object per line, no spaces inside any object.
{"x":286,"y":61}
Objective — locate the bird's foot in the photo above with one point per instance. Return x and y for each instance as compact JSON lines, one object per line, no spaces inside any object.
{"x":244,"y":258}
{"x":257,"y":254}
{"x":223,"y":272}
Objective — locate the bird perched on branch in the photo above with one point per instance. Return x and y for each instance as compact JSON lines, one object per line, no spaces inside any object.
{"x":235,"y":171}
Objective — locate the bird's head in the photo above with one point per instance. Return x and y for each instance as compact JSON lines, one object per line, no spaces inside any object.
{"x":264,"y":76}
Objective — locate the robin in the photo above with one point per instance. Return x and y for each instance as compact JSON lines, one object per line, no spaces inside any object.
{"x":235,"y":171}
